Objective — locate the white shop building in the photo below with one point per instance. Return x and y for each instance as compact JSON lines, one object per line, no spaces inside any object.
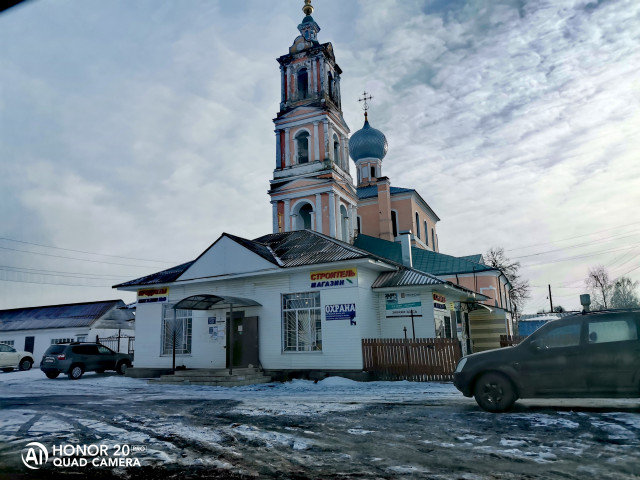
{"x":301,"y":301}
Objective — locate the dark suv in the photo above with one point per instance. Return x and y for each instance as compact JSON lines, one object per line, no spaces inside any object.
{"x":76,"y":358}
{"x":594,"y":354}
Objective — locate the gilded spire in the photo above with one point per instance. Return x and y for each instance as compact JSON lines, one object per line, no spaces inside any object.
{"x":308,"y":8}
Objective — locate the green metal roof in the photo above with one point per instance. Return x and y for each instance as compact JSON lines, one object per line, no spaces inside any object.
{"x":423,"y":260}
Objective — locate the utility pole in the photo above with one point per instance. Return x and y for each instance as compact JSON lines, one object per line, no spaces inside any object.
{"x":550,"y":299}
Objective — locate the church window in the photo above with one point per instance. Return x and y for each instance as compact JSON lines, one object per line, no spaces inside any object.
{"x":426,"y":233}
{"x":336,"y":149}
{"x":330,"y":83}
{"x":394,"y":223}
{"x":302,"y":146}
{"x":433,"y":240}
{"x":303,"y":83}
{"x":359,"y":223}
{"x":304,"y":217}
{"x":344,"y":223}
{"x":302,"y":322}
{"x":418,"y":225}
{"x":373,"y":172}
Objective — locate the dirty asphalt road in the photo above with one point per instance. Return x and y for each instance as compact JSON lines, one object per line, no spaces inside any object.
{"x":424,"y":435}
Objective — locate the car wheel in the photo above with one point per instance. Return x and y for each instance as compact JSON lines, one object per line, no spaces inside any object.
{"x":25,"y":364}
{"x":75,"y":372}
{"x":122,"y":368}
{"x":7,"y":369}
{"x":52,"y":375}
{"x":494,"y":392}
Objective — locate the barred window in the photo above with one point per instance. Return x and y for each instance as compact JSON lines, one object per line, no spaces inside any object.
{"x":8,"y":342}
{"x":302,"y":322}
{"x":56,"y":341}
{"x":180,"y":328}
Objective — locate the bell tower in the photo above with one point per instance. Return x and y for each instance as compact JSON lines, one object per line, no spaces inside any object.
{"x":312,"y":187}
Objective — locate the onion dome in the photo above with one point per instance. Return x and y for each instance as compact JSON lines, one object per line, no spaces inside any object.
{"x":368,"y":142}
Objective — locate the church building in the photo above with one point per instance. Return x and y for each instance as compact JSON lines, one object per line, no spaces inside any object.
{"x":346,"y":261}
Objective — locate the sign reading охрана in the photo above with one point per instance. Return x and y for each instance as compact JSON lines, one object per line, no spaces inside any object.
{"x":339,"y":278}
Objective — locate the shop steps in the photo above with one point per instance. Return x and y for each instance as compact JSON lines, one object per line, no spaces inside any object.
{"x":214,"y":377}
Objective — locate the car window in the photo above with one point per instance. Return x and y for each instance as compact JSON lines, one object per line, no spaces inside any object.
{"x":104,"y":350}
{"x":55,"y":349}
{"x":4,"y":348}
{"x":563,"y":336}
{"x":614,"y":330}
{"x":86,"y":350}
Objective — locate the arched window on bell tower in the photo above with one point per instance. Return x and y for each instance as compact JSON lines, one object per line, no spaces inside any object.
{"x":303,"y":83}
{"x":344,"y":223}
{"x":304,"y":217}
{"x":336,"y":150}
{"x":302,"y":147}
{"x":330,"y":84}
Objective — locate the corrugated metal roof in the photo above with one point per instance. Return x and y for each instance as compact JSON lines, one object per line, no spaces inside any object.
{"x":287,"y":249}
{"x":165,"y":276}
{"x":372,"y":191}
{"x":405,"y":278}
{"x":424,"y":260}
{"x":56,"y":316}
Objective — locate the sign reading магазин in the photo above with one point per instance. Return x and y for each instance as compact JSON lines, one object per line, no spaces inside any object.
{"x":339,"y":278}
{"x":153,"y":295}
{"x":403,"y":305}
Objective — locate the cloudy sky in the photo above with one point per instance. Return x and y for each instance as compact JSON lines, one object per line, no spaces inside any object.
{"x":134,"y":132}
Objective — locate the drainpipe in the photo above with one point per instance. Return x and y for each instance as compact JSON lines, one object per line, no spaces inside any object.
{"x":231,"y":328}
{"x":405,"y":242}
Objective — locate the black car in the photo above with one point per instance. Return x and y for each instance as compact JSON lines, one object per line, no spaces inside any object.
{"x":594,"y":354}
{"x":76,"y":358}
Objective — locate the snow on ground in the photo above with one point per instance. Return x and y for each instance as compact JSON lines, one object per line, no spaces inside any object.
{"x":341,"y":422}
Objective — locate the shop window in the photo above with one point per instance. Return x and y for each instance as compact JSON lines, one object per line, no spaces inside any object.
{"x":302,"y":147}
{"x":302,"y":322}
{"x":178,"y":328}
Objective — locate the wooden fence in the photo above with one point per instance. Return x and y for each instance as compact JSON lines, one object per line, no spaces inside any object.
{"x":510,"y":340}
{"x":421,"y":360}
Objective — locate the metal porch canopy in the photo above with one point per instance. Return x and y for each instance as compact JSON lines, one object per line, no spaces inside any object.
{"x":206,"y":302}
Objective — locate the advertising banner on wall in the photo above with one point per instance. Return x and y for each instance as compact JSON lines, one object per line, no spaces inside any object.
{"x":342,"y":311}
{"x":403,"y":305}
{"x":439,"y":301}
{"x":339,"y":278}
{"x":153,"y":295}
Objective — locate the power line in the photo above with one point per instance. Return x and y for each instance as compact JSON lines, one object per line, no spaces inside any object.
{"x":620,"y":236}
{"x":52,"y":273}
{"x":73,"y":258}
{"x":572,"y":238}
{"x":82,"y":251}
{"x":577,"y":257}
{"x":57,"y":284}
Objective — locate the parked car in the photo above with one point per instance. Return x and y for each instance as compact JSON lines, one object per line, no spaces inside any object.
{"x":76,"y":358}
{"x":594,"y":354}
{"x":11,"y":358}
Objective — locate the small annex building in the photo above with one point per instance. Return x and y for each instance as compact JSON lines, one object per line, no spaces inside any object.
{"x":34,"y":329}
{"x":300,"y":301}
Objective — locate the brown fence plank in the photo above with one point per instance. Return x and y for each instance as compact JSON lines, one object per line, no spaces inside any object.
{"x":422,"y":359}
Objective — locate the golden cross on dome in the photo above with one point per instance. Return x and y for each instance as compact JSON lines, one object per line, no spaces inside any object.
{"x":365,"y":97}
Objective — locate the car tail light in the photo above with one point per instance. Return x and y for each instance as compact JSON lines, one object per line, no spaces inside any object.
{"x":62,"y":356}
